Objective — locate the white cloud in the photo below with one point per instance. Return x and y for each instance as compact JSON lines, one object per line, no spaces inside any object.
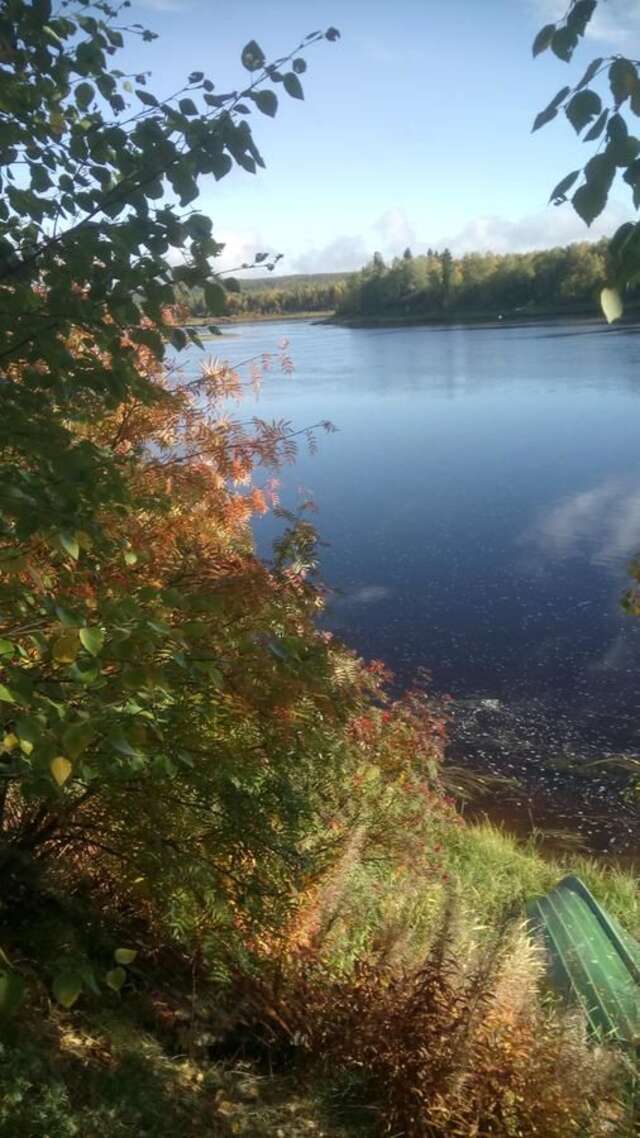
{"x":240,"y":247}
{"x":393,"y":231}
{"x":166,"y":5}
{"x":540,"y":230}
{"x":390,"y":234}
{"x":339,"y":255}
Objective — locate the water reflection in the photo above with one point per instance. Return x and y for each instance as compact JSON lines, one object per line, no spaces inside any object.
{"x":480,"y":503}
{"x":366,"y":595}
{"x":602,"y":523}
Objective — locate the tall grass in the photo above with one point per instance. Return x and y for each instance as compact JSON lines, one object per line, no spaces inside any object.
{"x":414,"y":983}
{"x":462,"y":1044}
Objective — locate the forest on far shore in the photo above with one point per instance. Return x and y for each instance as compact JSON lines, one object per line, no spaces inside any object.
{"x":431,"y":285}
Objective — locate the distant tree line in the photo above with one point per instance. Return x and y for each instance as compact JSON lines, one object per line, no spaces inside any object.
{"x":431,"y":285}
{"x":482,"y":284}
{"x":324,"y":292}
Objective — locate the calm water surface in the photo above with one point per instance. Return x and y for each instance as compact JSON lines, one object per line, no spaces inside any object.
{"x":480,"y":504}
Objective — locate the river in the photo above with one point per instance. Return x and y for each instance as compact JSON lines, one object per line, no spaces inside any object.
{"x":480,"y":505}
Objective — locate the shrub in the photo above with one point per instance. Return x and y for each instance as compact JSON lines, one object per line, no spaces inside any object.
{"x":460,"y":1046}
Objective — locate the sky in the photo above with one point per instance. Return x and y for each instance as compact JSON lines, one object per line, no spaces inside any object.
{"x":415,"y":128}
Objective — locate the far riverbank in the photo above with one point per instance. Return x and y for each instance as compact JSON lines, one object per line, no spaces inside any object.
{"x":439,"y":320}
{"x":479,"y":319}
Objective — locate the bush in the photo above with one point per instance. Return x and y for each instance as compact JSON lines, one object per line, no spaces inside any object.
{"x":463,"y":1045}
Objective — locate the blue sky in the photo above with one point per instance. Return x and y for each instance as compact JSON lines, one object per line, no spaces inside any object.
{"x":415,"y":128}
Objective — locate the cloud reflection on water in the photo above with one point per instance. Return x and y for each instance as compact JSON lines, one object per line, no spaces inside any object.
{"x":602,"y":523}
{"x":602,"y":526}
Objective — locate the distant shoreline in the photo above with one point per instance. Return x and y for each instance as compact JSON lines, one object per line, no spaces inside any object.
{"x":321,"y":317}
{"x":480,"y":319}
{"x":441,"y":320}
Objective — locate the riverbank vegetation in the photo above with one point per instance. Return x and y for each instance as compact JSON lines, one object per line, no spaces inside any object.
{"x":435,"y":286}
{"x":235,"y":892}
{"x":557,"y":281}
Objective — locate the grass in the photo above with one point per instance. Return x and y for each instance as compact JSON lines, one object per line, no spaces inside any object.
{"x":202,"y":322}
{"x":497,"y":871}
{"x":147,"y":1064}
{"x":77,"y":1075}
{"x":389,"y":901}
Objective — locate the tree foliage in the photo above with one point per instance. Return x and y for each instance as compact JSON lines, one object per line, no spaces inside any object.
{"x":99,"y":176}
{"x":601,"y":107}
{"x":172,"y":724}
{"x":478,"y":284}
{"x":289,"y":295}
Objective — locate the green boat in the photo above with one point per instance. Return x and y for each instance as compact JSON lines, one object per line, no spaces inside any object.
{"x":592,"y":960}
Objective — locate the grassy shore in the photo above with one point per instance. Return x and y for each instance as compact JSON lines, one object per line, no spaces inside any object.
{"x":439,"y":320}
{"x":154,"y":1062}
{"x":256,"y":318}
{"x":473,"y":319}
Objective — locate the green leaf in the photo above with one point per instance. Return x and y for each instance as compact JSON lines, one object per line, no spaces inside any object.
{"x":292,"y":85}
{"x":84,"y":94}
{"x":6,"y":648}
{"x":42,"y":10}
{"x":147,"y":98}
{"x":563,"y":42}
{"x":65,"y":648}
{"x":198,"y":226}
{"x":70,"y":545}
{"x":67,"y":986}
{"x":617,"y":128}
{"x":77,"y":738}
{"x":253,"y":57}
{"x":593,"y":67}
{"x":623,"y":151}
{"x":11,"y":993}
{"x":266,"y":101}
{"x":92,"y":639}
{"x":125,"y":955}
{"x":85,"y":674}
{"x":121,"y":744}
{"x":184,"y":184}
{"x":558,"y":194}
{"x":543,"y":39}
{"x":632,"y":177}
{"x":5,"y":695}
{"x":598,"y":127}
{"x":583,"y":107}
{"x":89,"y":978}
{"x":215,"y":298}
{"x":589,"y":201}
{"x":551,"y":110}
{"x":580,"y":12}
{"x":188,"y":107}
{"x":611,"y":303}
{"x":299,"y":65}
{"x":543,"y":118}
{"x":116,"y":978}
{"x":600,"y":171}
{"x":623,"y":79}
